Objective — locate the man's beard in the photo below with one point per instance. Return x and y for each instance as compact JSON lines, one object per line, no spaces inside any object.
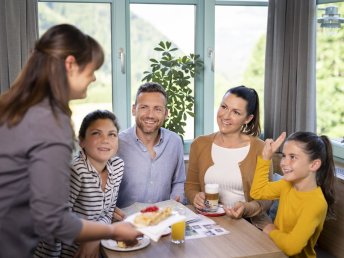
{"x":148,"y":129}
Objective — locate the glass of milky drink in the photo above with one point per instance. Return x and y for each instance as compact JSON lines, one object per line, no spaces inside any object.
{"x":211,"y":197}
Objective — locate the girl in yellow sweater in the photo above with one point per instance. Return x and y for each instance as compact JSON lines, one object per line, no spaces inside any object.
{"x":306,"y":192}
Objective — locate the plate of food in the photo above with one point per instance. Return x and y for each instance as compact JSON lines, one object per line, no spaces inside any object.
{"x":151,"y":216}
{"x":220,"y":212}
{"x":122,"y":247}
{"x":153,"y":221}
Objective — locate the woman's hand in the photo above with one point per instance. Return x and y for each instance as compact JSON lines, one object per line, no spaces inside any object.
{"x":268,"y":228}
{"x":271,"y":146}
{"x":88,"y":250}
{"x":124,"y":231}
{"x":199,"y":201}
{"x":236,"y":211}
{"x":118,"y":215}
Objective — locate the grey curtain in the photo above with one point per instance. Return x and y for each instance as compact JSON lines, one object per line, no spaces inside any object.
{"x":18,"y":33}
{"x":290,"y":99}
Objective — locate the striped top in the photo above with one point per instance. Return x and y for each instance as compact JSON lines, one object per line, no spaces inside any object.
{"x":86,"y":196}
{"x":87,"y":199}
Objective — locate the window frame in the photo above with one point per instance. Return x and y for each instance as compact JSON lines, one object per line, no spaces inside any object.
{"x":337,"y":147}
{"x":204,"y":41}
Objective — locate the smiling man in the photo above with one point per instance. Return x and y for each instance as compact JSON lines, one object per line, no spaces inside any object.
{"x":153,"y":156}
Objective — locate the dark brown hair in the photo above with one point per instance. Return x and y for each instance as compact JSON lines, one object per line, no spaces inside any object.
{"x":319,"y":147}
{"x":151,"y":87}
{"x":45,"y":76}
{"x":252,"y":108}
{"x":94,"y":116}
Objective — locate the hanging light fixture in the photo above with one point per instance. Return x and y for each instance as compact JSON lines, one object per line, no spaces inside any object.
{"x":331,"y":19}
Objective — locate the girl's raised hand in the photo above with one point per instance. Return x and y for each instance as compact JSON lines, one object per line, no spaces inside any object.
{"x":271,"y":146}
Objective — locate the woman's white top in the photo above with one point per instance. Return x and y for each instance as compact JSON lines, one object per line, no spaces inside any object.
{"x":226,"y":173}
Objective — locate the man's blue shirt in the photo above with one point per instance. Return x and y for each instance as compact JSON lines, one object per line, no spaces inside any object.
{"x":151,"y":180}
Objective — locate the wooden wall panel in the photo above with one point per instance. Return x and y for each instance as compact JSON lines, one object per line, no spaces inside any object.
{"x":332,"y":237}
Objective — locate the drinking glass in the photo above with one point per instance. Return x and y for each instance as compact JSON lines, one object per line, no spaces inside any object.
{"x":178,"y":228}
{"x":211,"y":197}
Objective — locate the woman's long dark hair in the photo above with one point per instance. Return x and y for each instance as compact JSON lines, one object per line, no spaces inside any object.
{"x":319,"y":147}
{"x":45,"y":76}
{"x":252,"y":108}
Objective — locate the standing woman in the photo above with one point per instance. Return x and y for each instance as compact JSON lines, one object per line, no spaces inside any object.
{"x":228,"y":158}
{"x":36,"y":140}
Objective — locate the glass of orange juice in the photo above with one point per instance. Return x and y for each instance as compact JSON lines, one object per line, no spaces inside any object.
{"x":178,"y":229}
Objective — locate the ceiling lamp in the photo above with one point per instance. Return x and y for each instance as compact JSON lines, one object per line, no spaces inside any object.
{"x":331,"y":19}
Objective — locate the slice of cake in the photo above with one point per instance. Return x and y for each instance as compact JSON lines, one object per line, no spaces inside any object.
{"x":152,"y":216}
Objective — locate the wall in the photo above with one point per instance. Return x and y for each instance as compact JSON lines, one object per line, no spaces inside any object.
{"x":332,"y":237}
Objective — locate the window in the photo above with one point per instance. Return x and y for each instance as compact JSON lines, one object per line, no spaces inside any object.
{"x":99,"y":94}
{"x":330,"y":82}
{"x":152,"y":23}
{"x":329,"y":75}
{"x":235,"y":30}
{"x":240,"y":33}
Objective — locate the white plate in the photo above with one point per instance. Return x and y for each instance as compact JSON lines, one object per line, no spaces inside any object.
{"x":112,"y":245}
{"x":166,"y":232}
{"x":220,"y":212}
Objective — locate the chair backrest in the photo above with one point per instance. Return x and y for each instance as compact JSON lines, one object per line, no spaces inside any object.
{"x":276,"y":160}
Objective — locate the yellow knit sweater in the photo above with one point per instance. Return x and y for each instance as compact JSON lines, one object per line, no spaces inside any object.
{"x":300,"y":216}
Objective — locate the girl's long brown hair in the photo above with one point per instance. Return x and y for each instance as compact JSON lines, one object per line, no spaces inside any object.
{"x":319,"y":147}
{"x":45,"y":76}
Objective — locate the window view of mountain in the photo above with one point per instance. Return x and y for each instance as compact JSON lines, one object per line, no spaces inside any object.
{"x":95,"y":20}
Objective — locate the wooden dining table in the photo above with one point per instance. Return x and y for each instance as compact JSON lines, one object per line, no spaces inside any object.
{"x":244,"y":240}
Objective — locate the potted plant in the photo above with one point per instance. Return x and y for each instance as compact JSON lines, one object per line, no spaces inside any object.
{"x":175,"y":73}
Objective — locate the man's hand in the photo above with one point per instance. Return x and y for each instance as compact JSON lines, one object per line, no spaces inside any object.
{"x":177,"y":198}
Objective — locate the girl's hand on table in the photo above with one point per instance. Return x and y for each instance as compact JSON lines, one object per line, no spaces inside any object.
{"x":268,"y":228}
{"x":118,"y":215}
{"x":199,"y":201}
{"x":236,"y":211}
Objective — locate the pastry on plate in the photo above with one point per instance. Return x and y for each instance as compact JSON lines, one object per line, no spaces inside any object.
{"x":152,"y":216}
{"x":128,"y":244}
{"x":121,"y":244}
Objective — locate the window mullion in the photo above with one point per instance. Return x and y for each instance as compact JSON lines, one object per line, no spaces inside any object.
{"x":121,"y":45}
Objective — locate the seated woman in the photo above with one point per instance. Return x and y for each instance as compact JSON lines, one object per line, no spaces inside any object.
{"x":95,"y":178}
{"x":228,"y":158}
